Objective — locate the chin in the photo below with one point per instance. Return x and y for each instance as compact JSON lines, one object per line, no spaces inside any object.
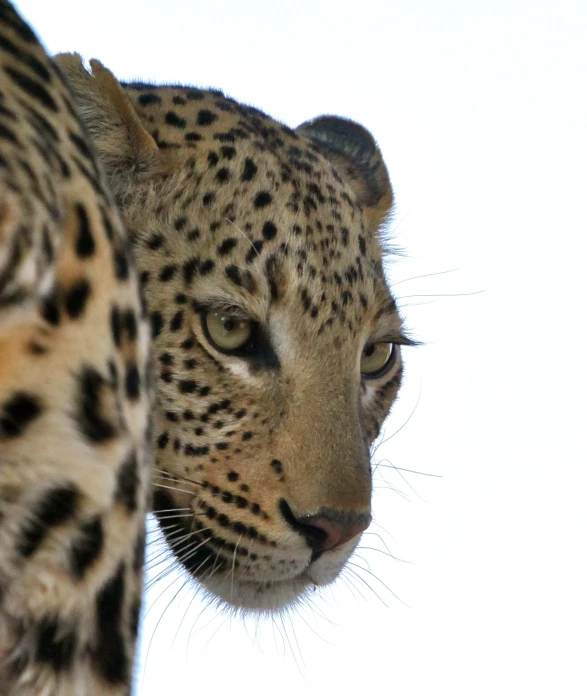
{"x":270,"y":595}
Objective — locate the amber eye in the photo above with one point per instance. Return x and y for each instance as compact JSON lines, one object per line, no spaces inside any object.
{"x":227,"y":332}
{"x":376,"y":358}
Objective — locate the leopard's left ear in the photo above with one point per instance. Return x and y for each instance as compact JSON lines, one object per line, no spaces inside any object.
{"x":125,"y":148}
{"x":354,"y":153}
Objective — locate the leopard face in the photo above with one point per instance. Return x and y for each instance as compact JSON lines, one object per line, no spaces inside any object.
{"x":276,"y":337}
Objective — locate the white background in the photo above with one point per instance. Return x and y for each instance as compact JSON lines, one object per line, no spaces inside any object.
{"x":480,"y":109}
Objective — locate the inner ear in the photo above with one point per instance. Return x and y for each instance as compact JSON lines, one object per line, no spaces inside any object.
{"x":353,"y":151}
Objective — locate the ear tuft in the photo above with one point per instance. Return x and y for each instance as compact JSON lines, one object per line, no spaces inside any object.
{"x":354,"y":153}
{"x":124,"y":146}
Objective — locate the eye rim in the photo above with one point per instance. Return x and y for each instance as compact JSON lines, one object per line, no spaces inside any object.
{"x":389,"y":363}
{"x":243,"y":349}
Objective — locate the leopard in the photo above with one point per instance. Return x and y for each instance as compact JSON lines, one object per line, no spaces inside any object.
{"x":195,"y":321}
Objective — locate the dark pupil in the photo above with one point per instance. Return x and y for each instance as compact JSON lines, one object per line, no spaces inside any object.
{"x":369,"y":350}
{"x":229,"y":324}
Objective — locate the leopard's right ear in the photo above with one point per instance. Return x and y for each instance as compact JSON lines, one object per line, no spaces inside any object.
{"x":125,"y":148}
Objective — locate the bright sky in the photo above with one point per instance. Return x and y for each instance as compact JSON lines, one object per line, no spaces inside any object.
{"x":481,"y":112}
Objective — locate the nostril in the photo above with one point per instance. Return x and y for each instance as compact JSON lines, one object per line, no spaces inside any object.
{"x":326,"y":530}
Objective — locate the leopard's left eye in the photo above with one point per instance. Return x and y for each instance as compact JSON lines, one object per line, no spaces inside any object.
{"x":226,"y":332}
{"x":377,"y":358}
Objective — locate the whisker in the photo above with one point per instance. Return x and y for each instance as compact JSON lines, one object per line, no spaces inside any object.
{"x":356,"y":575}
{"x":387,"y":439}
{"x":440,"y":294}
{"x":354,"y":565}
{"x":409,"y":471}
{"x":423,"y":275}
{"x":232,"y":569}
{"x":243,"y":234}
{"x":173,"y":488}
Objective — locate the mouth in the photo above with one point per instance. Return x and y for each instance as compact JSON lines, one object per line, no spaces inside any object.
{"x":251,"y":574}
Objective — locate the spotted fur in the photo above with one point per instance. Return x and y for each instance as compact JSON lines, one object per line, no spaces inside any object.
{"x":262,"y":476}
{"x":75,"y":455}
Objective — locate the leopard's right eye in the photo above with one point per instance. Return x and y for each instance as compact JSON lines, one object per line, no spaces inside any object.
{"x":377,"y":358}
{"x":227,"y":332}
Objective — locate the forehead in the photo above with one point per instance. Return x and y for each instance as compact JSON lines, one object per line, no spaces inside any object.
{"x":256,"y":206}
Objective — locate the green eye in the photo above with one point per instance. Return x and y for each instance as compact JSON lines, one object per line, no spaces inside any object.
{"x":377,"y":357}
{"x":227,"y":332}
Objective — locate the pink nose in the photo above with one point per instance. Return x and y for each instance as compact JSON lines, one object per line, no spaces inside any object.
{"x":327,"y":530}
{"x":334,"y":533}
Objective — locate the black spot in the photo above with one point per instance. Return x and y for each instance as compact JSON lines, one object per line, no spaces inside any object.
{"x":208,"y":199}
{"x":262,"y":199}
{"x":180,"y":223}
{"x":17,"y":413}
{"x":88,"y":416}
{"x":56,"y":644}
{"x":86,"y":547}
{"x":187,"y":386}
{"x":134,"y":617}
{"x":254,"y":251}
{"x":194,"y":94}
{"x":189,"y":269}
{"x":109,"y":656}
{"x":206,"y":267}
{"x":213,"y":159}
{"x":116,"y":326}
{"x":206,"y":117}
{"x":192,"y":137}
{"x":127,"y":483}
{"x":156,"y":324}
{"x":49,"y":310}
{"x":129,"y":324}
{"x":177,"y":321}
{"x":84,"y":245}
{"x":132,"y":381}
{"x":139,"y":550}
{"x":223,"y":175}
{"x":155,"y":242}
{"x":248,"y":435}
{"x":55,"y":507}
{"x":233,"y":273}
{"x":166,"y":359}
{"x":172,"y":119}
{"x":81,"y":146}
{"x":163,"y":441}
{"x":227,"y":246}
{"x":149,"y":98}
{"x":120,"y":265}
{"x":249,"y":170}
{"x":269,"y":230}
{"x":276,"y":466}
{"x":167,"y":272}
{"x":232,"y":476}
{"x":33,"y":88}
{"x":362,"y":245}
{"x":228,"y":151}
{"x":76,"y":298}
